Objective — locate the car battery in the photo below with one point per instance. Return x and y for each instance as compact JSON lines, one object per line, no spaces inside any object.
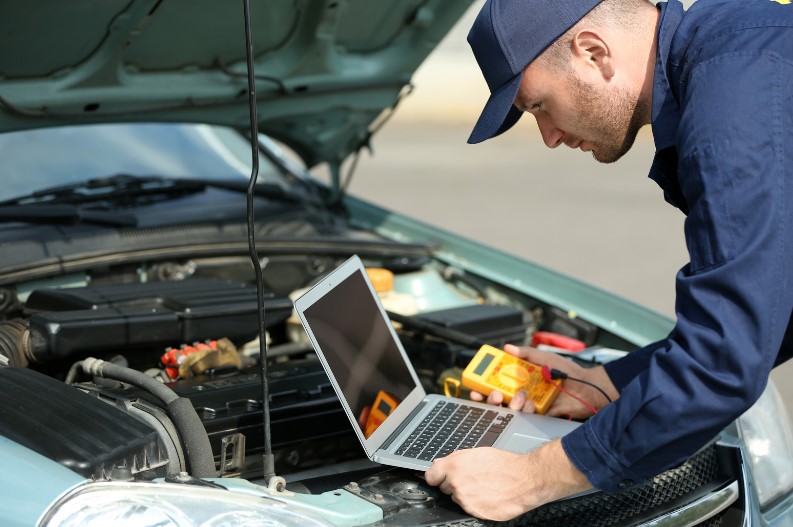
{"x":478,"y":323}
{"x":492,"y":324}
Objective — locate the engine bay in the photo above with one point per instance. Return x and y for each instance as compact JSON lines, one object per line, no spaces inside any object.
{"x":188,"y":325}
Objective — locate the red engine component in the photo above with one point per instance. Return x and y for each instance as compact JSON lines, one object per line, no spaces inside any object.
{"x":557,"y":341}
{"x":175,"y":357}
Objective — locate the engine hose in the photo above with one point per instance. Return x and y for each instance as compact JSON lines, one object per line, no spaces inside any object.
{"x":15,"y":342}
{"x":450,"y":274}
{"x":200,"y":459}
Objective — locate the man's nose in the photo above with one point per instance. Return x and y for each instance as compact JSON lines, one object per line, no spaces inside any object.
{"x":551,"y":135}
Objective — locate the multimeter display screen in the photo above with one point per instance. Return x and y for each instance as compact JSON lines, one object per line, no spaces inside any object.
{"x":358,"y":345}
{"x":480,"y":369}
{"x":384,"y":408}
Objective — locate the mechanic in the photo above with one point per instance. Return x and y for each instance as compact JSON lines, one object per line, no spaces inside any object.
{"x":714,"y":83}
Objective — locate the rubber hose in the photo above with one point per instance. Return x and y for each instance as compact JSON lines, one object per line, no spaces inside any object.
{"x":109,"y":370}
{"x":194,"y":438}
{"x":450,"y":274}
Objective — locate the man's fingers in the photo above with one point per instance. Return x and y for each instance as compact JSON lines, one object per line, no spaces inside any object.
{"x":535,"y":356}
{"x":435,"y":474}
{"x":495,"y":398}
{"x":550,"y":359}
{"x":528,"y":406}
{"x":521,"y":402}
{"x":517,"y":351}
{"x":542,"y":358}
{"x":516,"y":403}
{"x":476,"y":396}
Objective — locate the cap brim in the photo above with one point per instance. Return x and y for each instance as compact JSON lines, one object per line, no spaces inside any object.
{"x":499,"y":114}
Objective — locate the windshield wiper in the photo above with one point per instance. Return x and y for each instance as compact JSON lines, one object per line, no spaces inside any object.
{"x":117,"y":189}
{"x":125,"y":189}
{"x":262,"y":190}
{"x":63,"y":214}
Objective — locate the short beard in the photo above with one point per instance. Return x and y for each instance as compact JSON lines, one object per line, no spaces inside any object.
{"x":614,"y":120}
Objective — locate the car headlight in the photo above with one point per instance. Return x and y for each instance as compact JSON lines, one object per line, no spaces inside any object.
{"x":169,"y":505}
{"x":766,"y":430}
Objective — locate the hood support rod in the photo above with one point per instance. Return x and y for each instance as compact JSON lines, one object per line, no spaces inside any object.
{"x":267,"y":458}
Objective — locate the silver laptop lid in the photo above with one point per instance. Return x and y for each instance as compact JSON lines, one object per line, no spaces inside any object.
{"x":360,"y":351}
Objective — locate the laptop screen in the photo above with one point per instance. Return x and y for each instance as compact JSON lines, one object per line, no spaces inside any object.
{"x":360,"y":350}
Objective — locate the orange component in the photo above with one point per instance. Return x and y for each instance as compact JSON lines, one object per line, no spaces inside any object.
{"x":364,"y":417}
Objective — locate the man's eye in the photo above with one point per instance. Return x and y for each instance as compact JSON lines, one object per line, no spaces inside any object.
{"x":534,"y":107}
{"x":530,"y":107}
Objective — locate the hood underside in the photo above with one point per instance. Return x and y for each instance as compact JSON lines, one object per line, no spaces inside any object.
{"x":325,"y":69}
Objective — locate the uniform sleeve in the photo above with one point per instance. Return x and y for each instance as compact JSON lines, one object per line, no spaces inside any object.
{"x":733,"y":299}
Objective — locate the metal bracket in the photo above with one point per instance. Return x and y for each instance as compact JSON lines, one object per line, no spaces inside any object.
{"x":232,"y":453}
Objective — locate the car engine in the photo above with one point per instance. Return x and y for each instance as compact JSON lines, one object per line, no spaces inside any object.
{"x":197,"y":335}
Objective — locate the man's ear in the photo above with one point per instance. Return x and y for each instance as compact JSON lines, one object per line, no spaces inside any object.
{"x":594,"y":51}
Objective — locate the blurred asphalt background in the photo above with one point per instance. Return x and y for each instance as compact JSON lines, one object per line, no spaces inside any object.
{"x":604,"y":224}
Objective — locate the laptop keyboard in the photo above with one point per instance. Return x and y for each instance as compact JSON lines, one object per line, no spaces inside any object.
{"x":453,"y":426}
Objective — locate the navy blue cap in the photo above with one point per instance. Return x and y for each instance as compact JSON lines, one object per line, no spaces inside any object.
{"x":507,"y":36}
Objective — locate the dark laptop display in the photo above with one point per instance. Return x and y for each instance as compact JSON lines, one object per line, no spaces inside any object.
{"x":358,"y":345}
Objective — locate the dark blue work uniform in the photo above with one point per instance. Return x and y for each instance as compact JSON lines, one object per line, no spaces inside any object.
{"x":723,"y":129}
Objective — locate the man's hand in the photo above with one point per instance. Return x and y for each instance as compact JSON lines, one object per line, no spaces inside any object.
{"x":497,"y":485}
{"x":564,"y":405}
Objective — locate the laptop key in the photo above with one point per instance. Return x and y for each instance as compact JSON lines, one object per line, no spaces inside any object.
{"x":451,"y":426}
{"x":488,"y":439}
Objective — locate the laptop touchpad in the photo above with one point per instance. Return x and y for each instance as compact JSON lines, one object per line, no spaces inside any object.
{"x":520,"y":444}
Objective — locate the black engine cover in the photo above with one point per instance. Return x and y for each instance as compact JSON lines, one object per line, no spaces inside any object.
{"x":129,"y":316}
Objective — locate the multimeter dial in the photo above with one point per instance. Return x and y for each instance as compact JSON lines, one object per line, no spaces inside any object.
{"x":513,"y":376}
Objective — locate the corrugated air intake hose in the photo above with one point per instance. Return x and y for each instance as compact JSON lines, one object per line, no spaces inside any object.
{"x":15,"y":344}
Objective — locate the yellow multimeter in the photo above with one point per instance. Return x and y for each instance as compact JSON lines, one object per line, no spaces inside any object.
{"x":493,"y":369}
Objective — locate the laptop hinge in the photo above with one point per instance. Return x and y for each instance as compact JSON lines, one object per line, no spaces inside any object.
{"x":401,"y":427}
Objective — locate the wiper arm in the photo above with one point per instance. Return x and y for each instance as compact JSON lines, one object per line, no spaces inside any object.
{"x":262,"y":190}
{"x":63,"y":214}
{"x":123,"y":189}
{"x":118,"y":189}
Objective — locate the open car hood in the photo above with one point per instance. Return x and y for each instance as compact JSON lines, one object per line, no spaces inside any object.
{"x":326,"y":68}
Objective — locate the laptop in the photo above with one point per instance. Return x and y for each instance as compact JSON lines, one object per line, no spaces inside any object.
{"x":381,"y":393}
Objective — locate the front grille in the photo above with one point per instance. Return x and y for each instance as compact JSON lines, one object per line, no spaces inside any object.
{"x":713,"y":522}
{"x":618,"y":509}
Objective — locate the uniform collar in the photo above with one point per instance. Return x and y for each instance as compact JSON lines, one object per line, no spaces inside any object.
{"x":666,"y":111}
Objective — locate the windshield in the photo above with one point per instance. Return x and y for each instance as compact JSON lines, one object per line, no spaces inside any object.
{"x":48,"y":157}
